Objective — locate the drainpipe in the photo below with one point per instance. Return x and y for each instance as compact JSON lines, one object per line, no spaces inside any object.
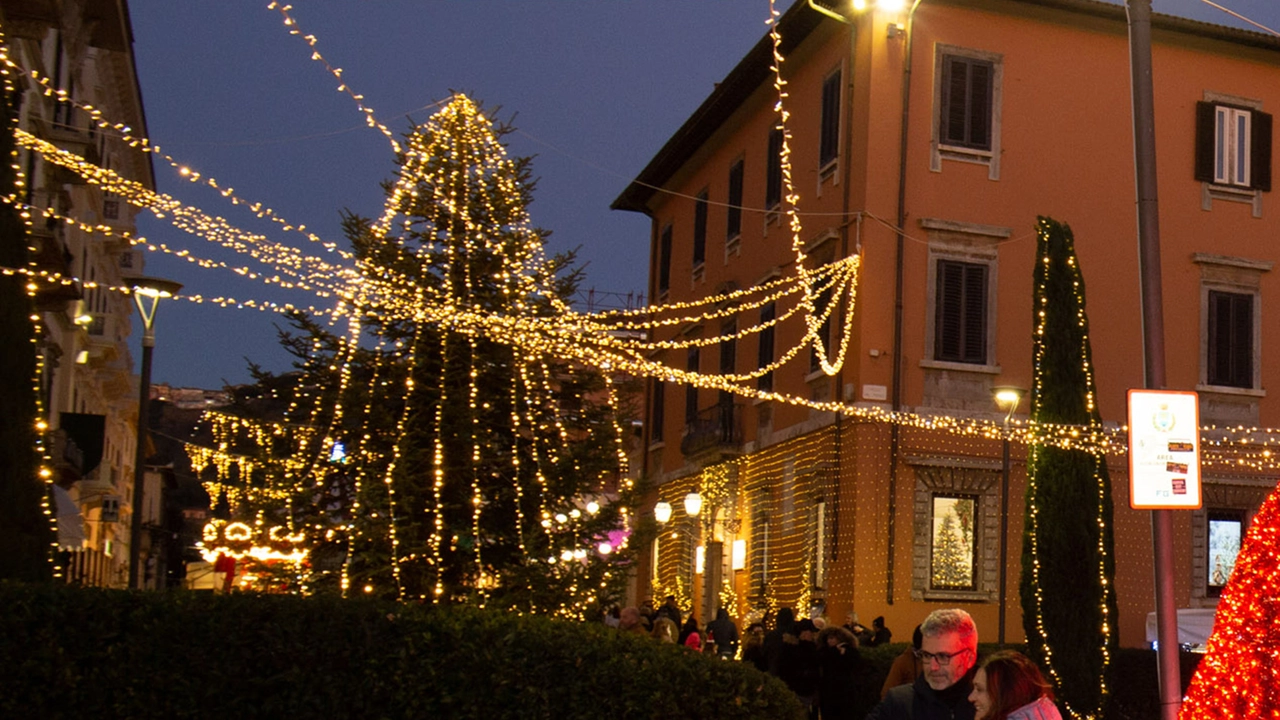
{"x":895,"y":432}
{"x":847,"y":173}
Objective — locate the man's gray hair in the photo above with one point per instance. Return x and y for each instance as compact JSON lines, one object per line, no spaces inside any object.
{"x":953,"y":620}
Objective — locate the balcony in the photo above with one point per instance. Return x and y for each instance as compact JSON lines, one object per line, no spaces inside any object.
{"x":714,"y":433}
{"x":104,"y":338}
{"x":50,"y":257}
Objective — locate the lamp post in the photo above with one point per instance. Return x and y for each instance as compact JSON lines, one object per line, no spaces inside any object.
{"x":147,"y":292}
{"x":1007,"y":399}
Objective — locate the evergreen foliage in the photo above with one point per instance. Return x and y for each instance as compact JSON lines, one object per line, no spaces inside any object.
{"x":25,"y":534}
{"x":1068,"y":602}
{"x":87,"y":652}
{"x":471,"y":461}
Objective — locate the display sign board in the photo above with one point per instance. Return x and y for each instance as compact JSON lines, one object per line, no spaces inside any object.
{"x":1164,"y":450}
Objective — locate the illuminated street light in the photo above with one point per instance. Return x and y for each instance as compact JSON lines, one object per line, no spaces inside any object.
{"x":147,"y":293}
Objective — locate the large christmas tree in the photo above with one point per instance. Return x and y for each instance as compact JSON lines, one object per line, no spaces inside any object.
{"x":1068,"y":600}
{"x":1239,"y":677}
{"x":472,"y":468}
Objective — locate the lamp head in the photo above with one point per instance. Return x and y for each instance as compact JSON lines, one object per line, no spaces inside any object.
{"x":1007,"y":397}
{"x":662,"y":512}
{"x":693,"y":504}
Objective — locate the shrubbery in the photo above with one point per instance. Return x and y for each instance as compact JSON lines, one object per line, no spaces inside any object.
{"x":71,"y":652}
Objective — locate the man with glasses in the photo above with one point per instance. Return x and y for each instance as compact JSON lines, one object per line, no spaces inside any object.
{"x":948,"y":652}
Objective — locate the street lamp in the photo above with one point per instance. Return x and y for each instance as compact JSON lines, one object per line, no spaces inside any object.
{"x":147,"y":292}
{"x":1007,"y":399}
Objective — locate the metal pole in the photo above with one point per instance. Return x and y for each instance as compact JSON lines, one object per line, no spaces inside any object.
{"x":1004,"y":533}
{"x":1144,"y":150}
{"x":139,"y":460}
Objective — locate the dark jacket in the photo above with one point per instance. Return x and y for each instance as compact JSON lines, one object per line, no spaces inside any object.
{"x":724,"y":633}
{"x":918,"y":701}
{"x":839,"y":668}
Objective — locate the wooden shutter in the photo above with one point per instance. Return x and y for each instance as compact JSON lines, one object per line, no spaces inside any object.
{"x":1260,"y":147}
{"x":960,"y":315}
{"x":1204,"y":141}
{"x":1230,"y":348}
{"x":700,"y":229}
{"x":664,"y":260}
{"x":829,"y":137}
{"x":733,"y":221}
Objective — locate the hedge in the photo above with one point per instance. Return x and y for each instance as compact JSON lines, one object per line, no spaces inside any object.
{"x":74,"y":652}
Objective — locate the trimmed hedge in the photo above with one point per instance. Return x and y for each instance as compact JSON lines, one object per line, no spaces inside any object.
{"x":71,"y":652}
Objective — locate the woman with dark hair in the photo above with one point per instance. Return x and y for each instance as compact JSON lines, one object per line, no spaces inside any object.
{"x":1008,"y":686}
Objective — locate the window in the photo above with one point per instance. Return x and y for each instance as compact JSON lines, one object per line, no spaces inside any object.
{"x":659,"y":411}
{"x":729,"y":348}
{"x":967,"y":97}
{"x":773,"y":171}
{"x":1230,"y":337}
{"x":700,"y":230}
{"x":953,"y":542}
{"x":764,"y":356}
{"x":664,"y":261}
{"x":829,"y":132}
{"x":694,"y":359}
{"x":1233,"y":146}
{"x":956,"y":529}
{"x":1230,"y":331}
{"x":960,"y":312}
{"x":734,"y":219}
{"x":966,"y":102}
{"x":1224,"y":530}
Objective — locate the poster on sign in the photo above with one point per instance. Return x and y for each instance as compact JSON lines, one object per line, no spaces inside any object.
{"x":1164,"y":450}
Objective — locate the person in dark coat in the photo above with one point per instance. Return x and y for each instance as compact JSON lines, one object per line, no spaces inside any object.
{"x":670,"y":610}
{"x":753,"y":647}
{"x":724,"y":634}
{"x":690,"y":627}
{"x":838,"y":667}
{"x":879,"y":633}
{"x":783,"y":625}
{"x":798,"y":664}
{"x":949,"y":653}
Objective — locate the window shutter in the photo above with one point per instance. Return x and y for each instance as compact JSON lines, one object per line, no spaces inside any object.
{"x":1204,"y":142}
{"x":1261,"y":148}
{"x":946,"y":342}
{"x":664,"y":260}
{"x":975,"y":314}
{"x":1242,"y":334}
{"x":955,"y":82}
{"x":980,"y":106}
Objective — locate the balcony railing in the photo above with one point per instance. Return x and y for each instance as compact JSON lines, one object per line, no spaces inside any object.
{"x":718,"y":427}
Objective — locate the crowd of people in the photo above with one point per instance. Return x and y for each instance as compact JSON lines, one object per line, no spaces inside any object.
{"x":940,"y":675}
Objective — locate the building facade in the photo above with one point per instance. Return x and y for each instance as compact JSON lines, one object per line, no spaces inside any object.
{"x":927,"y":140}
{"x":83,"y":53}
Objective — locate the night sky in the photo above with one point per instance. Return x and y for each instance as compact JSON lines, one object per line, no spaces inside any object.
{"x":595,"y":89}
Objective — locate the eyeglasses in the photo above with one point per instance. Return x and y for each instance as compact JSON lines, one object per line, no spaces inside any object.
{"x":944,"y":659}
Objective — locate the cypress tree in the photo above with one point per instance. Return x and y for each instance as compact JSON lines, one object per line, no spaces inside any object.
{"x":26,"y":536}
{"x":1068,"y":597}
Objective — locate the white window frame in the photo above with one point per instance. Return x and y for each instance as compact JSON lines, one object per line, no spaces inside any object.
{"x":1232,"y":131}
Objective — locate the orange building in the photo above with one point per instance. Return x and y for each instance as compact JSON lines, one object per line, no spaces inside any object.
{"x":959,"y":122}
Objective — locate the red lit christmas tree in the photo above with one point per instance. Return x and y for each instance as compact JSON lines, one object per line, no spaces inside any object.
{"x":1240,"y":675}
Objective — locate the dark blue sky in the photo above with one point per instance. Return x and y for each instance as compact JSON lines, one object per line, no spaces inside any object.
{"x":596,"y":88}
